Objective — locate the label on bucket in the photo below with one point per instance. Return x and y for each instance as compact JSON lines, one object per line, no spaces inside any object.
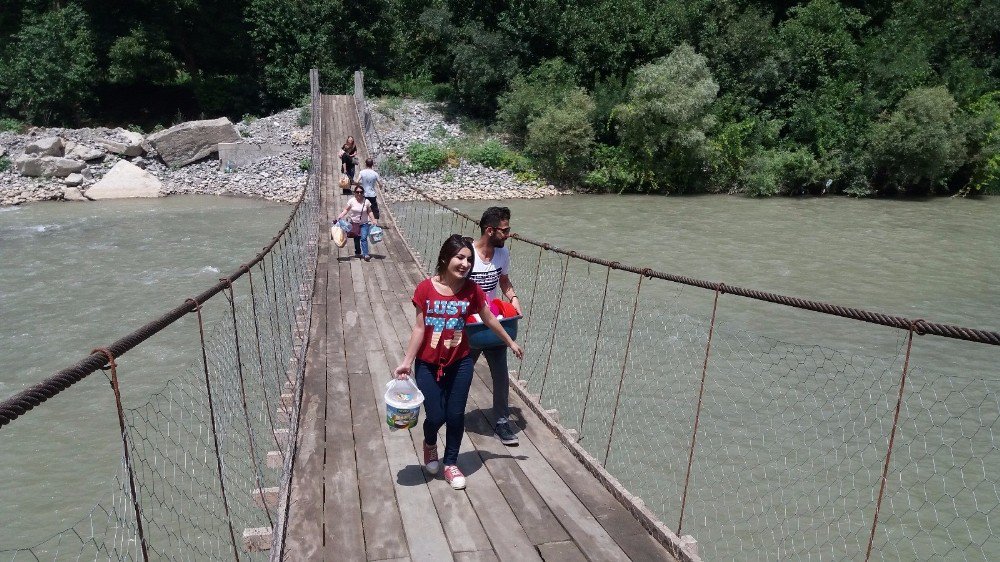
{"x":402,"y":418}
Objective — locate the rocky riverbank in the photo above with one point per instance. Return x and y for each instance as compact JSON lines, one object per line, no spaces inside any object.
{"x":65,"y":164}
{"x":91,"y":153}
{"x":401,"y":124}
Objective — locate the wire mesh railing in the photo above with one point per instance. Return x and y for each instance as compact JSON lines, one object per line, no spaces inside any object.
{"x":206,"y":459}
{"x":760,"y":447}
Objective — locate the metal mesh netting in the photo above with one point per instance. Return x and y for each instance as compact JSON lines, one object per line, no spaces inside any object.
{"x":252,"y":349}
{"x":791,"y":439}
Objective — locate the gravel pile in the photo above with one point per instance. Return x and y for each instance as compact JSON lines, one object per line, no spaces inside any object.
{"x":416,"y":121}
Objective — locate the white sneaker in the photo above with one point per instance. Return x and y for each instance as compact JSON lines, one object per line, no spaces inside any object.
{"x":454,"y":477}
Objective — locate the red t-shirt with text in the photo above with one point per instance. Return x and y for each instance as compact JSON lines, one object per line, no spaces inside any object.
{"x":444,"y":321}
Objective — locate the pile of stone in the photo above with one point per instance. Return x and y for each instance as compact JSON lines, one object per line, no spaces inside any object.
{"x":102,"y":163}
{"x":415,"y":121}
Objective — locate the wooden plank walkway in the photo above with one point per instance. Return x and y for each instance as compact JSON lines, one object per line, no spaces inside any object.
{"x":358,"y":489}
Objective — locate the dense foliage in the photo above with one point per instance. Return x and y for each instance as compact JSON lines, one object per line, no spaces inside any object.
{"x":740,"y":96}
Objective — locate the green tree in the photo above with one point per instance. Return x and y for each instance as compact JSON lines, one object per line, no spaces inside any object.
{"x":983,"y":124}
{"x":48,"y":72}
{"x":481,"y":68}
{"x":139,"y":57}
{"x":546,"y":86}
{"x":560,"y":139}
{"x":920,"y":145}
{"x":665,"y":120}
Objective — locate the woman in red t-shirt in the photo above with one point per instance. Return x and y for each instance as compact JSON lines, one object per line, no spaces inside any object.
{"x":438,"y":346}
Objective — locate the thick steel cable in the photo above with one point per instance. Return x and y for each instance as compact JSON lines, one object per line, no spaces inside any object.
{"x":697,"y":411}
{"x":24,"y":401}
{"x":892,"y":439}
{"x":215,"y":431}
{"x":921,"y":327}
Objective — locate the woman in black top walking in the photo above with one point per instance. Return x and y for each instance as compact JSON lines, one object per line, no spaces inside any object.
{"x":348,"y":155}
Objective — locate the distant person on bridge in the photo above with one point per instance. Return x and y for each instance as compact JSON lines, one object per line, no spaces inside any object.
{"x":360,"y":210}
{"x":491,"y":272}
{"x":440,"y":350}
{"x":369,"y":178}
{"x":348,"y":154}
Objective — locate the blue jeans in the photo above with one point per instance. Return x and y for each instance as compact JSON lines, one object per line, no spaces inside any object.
{"x":361,"y":241}
{"x":444,"y":403}
{"x":496,"y":358}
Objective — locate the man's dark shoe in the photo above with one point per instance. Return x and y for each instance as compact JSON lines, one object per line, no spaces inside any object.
{"x":505,"y":433}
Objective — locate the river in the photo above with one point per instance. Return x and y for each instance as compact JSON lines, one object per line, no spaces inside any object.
{"x":73,"y":277}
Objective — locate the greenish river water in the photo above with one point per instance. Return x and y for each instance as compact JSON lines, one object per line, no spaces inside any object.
{"x":73,"y":277}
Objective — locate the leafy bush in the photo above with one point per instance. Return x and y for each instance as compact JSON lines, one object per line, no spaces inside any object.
{"x":4,"y":164}
{"x":921,"y":144}
{"x":11,"y":124}
{"x":783,"y":172}
{"x":419,"y":85}
{"x":560,"y":139}
{"x":305,"y":116}
{"x":426,"y":157}
{"x":665,"y":119}
{"x":305,"y":164}
{"x":249,"y":118}
{"x":530,"y":95}
{"x":392,"y":166}
{"x":613,"y":171}
{"x":983,"y":124}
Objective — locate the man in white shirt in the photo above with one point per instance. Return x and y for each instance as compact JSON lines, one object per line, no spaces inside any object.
{"x":369,"y":178}
{"x":490,"y":272}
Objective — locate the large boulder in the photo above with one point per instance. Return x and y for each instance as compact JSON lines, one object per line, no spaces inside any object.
{"x":70,"y":193}
{"x":83,"y":152}
{"x":189,"y":142}
{"x":48,"y":146}
{"x":125,"y":180}
{"x":123,"y":142}
{"x":46,"y":166}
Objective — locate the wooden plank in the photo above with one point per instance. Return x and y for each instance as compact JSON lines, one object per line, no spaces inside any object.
{"x":354,"y":347}
{"x":536,"y":518}
{"x":380,"y":512}
{"x":476,"y":556}
{"x":563,"y":481}
{"x":424,"y":533}
{"x":566,"y":551}
{"x":581,"y":524}
{"x":343,"y":533}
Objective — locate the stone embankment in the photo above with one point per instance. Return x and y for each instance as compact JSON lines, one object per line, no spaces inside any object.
{"x":100,"y":163}
{"x":414,"y":121}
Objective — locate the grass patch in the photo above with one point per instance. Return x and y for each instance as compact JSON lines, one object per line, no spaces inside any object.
{"x":12,"y":125}
{"x":4,"y":164}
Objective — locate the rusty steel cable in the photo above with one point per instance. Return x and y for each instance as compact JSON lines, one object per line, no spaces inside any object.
{"x":24,"y":401}
{"x":921,"y":327}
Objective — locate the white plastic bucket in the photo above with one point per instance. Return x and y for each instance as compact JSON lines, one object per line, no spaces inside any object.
{"x":402,"y":403}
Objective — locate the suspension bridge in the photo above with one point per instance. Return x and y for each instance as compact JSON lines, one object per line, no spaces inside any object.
{"x":650,"y":430}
